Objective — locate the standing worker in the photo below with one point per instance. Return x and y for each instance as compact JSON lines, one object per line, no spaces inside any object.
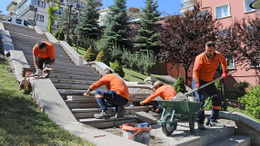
{"x":116,"y":96}
{"x":205,"y":67}
{"x":43,"y":52}
{"x":166,"y":92}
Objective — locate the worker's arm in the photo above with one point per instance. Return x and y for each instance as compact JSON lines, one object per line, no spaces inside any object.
{"x":152,"y":96}
{"x":223,"y":63}
{"x":103,"y":81}
{"x":52,"y":56}
{"x":196,"y":70}
{"x":36,"y":61}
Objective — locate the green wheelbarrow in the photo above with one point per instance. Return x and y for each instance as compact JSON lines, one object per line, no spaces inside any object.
{"x":174,"y":111}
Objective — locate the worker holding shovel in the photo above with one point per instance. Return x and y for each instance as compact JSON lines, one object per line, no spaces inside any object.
{"x":205,"y":67}
{"x":166,"y":92}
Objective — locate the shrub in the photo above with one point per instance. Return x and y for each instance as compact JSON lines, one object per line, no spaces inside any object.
{"x":251,"y":101}
{"x":101,"y":44}
{"x":56,"y":34}
{"x":116,"y":54}
{"x":116,"y":66}
{"x":240,"y":89}
{"x":102,"y":58}
{"x":89,"y":55}
{"x":61,"y":35}
{"x":146,"y":61}
{"x":179,"y":86}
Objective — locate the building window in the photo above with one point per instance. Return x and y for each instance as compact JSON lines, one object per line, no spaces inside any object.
{"x":231,"y":63}
{"x":246,"y":5}
{"x":40,"y":18}
{"x":59,"y":12}
{"x":41,"y":4}
{"x":222,"y":11}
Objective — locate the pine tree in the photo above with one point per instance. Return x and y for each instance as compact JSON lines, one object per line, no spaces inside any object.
{"x":89,"y":28}
{"x":147,"y":35}
{"x":117,"y":28}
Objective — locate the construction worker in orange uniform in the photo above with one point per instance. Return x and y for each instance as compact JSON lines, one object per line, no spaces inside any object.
{"x":116,"y":96}
{"x":166,"y":92}
{"x":43,"y":52}
{"x":205,"y":67}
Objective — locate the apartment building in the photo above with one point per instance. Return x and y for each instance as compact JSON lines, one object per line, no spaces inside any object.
{"x":132,"y":13}
{"x":225,"y":11}
{"x":35,"y":10}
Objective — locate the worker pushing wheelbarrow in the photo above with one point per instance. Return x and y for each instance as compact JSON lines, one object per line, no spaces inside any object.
{"x":174,"y":111}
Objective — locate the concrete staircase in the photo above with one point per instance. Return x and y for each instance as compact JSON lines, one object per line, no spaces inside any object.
{"x":70,"y":80}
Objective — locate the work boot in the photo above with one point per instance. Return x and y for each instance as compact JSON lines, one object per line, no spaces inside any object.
{"x":216,"y":124}
{"x":201,"y":126}
{"x":120,"y":112}
{"x":102,"y":115}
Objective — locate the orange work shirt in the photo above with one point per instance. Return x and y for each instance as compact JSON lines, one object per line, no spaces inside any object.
{"x":205,"y":68}
{"x":113,"y":83}
{"x":50,"y":51}
{"x":166,"y":92}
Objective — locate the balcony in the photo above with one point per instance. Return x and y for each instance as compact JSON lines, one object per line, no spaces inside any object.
{"x":11,"y":7}
{"x":187,"y":5}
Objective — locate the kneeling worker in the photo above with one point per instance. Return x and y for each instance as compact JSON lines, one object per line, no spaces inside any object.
{"x":166,"y":92}
{"x":43,"y":52}
{"x":117,"y":94}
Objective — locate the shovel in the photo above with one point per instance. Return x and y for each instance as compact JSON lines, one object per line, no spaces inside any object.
{"x":184,"y":96}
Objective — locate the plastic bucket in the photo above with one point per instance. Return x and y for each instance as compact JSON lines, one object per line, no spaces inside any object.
{"x":139,"y":132}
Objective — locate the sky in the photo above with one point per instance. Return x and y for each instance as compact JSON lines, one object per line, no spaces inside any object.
{"x":165,"y":6}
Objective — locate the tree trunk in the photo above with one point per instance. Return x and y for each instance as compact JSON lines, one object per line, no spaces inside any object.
{"x":186,"y":76}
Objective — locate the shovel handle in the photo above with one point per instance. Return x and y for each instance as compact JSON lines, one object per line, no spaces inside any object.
{"x":208,"y":83}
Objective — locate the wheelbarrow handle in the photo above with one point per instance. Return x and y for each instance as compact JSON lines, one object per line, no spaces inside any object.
{"x":188,"y":93}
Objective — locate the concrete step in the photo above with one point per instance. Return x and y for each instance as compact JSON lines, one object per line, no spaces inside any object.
{"x":29,"y":47}
{"x":30,"y":36}
{"x":234,"y":140}
{"x":57,"y":60}
{"x":72,"y":86}
{"x":83,"y":98}
{"x":80,"y":113}
{"x":70,"y":81}
{"x":107,"y":123}
{"x":81,"y":104}
{"x":76,"y":77}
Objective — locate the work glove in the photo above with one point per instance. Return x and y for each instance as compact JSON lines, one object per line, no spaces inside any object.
{"x":142,"y":103}
{"x":224,"y":74}
{"x":38,"y":72}
{"x":86,"y":94}
{"x":197,"y":85}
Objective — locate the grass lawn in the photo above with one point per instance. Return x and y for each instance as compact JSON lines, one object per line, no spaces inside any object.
{"x":242,"y":111}
{"x":81,"y":50}
{"x":21,"y":123}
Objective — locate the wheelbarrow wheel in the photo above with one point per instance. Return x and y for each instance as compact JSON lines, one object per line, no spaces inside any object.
{"x":168,"y":128}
